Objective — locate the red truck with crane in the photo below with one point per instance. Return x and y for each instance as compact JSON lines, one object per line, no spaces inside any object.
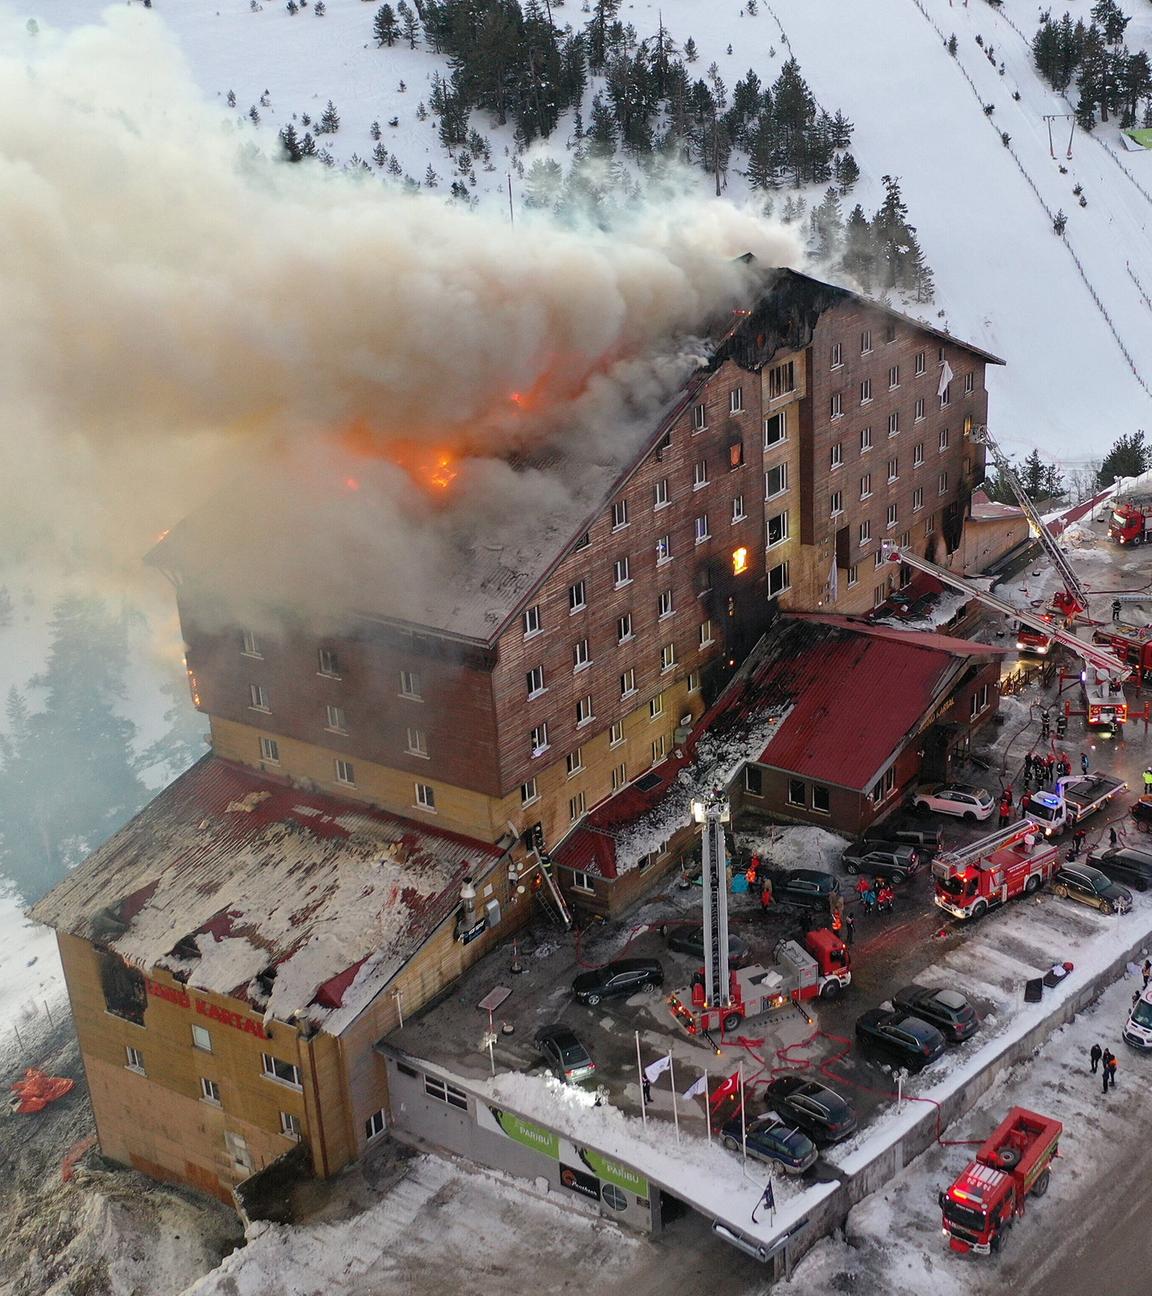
{"x":1013,"y":1164}
{"x":820,"y":967}
{"x":1131,"y":644}
{"x":1131,"y":521}
{"x":1007,"y":863}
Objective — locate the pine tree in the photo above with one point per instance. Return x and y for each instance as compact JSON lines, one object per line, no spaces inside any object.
{"x":761,"y":172}
{"x":846,"y":172}
{"x":385,"y":28}
{"x":411,"y":28}
{"x":828,"y":226}
{"x":543,"y":183}
{"x":374,"y":130}
{"x":859,"y":259}
{"x":690,"y":52}
{"x":890,"y":233}
{"x":329,"y":120}
{"x":231,"y":98}
{"x":601,"y":134}
{"x":431,"y":179}
{"x":1129,"y":457}
{"x":918,"y":276}
{"x":290,"y":144}
{"x":380,"y":155}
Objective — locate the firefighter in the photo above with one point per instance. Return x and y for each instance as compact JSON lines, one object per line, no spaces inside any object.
{"x":766,"y":896}
{"x":885,"y":896}
{"x":1049,"y":767}
{"x":1084,"y":762}
{"x":1061,"y":723}
{"x":1005,"y":809}
{"x":1045,"y":722}
{"x":1077,"y":843}
{"x":1116,"y":606}
{"x":1148,"y":781}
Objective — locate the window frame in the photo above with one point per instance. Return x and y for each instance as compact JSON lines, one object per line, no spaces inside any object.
{"x":530,"y":621}
{"x":345,"y":772}
{"x":268,"y":1070}
{"x":786,"y":579}
{"x":210,"y":1091}
{"x":425,"y":795}
{"x":782,"y":538}
{"x":269,"y":750}
{"x":330,"y":669}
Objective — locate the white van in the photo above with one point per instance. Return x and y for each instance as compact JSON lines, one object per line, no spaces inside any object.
{"x":1138,"y":1028}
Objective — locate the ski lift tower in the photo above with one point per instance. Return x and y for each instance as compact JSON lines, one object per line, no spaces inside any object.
{"x":712,"y":813}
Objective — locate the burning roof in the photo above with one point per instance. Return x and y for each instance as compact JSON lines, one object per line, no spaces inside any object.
{"x":295,"y":902}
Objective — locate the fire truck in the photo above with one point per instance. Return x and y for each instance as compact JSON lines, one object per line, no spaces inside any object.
{"x":1131,"y":521}
{"x":1075,"y":798}
{"x":1013,"y":1164}
{"x":1131,"y":644}
{"x":821,"y":967}
{"x":999,"y":867}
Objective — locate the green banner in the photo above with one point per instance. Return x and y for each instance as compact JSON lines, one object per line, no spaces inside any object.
{"x":533,"y":1136}
{"x":614,"y":1172}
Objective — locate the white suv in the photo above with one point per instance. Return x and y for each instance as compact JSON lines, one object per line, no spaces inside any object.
{"x":971,"y":803}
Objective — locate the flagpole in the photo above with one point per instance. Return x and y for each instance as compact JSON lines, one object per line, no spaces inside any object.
{"x":640,"y":1073}
{"x":743,"y":1123}
{"x":707,"y":1107}
{"x":672,"y":1082}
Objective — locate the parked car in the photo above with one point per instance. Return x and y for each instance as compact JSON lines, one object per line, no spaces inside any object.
{"x":907,"y":1040}
{"x":1138,"y":1028}
{"x":615,"y":980}
{"x":927,"y":841}
{"x":1141,"y":812}
{"x":823,"y":1114}
{"x":690,"y":940}
{"x":1091,"y":887}
{"x":947,"y":1010}
{"x":1125,"y":864}
{"x":567,"y":1058}
{"x":961,"y":799}
{"x":897,"y":863}
{"x":768,"y":1138}
{"x":805,"y":888}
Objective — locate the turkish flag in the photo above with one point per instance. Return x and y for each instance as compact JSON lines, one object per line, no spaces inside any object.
{"x":726,"y":1088}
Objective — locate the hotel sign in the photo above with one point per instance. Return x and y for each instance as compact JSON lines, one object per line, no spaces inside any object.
{"x":182,"y":999}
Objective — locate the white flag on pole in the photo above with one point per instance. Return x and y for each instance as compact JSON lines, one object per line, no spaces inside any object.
{"x":699,"y":1087}
{"x":656,"y":1069}
{"x":833,"y":581}
{"x":946,"y":376}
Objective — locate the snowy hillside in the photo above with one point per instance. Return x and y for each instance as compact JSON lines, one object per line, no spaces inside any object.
{"x":1070,"y":316}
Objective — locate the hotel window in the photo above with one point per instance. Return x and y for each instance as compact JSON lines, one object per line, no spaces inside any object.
{"x":577,"y":597}
{"x":538,"y":739}
{"x":575,"y":807}
{"x":836,"y":455}
{"x":797,"y":792}
{"x":619,"y":515}
{"x":345,"y":773}
{"x":943,"y":438}
{"x":628,"y":682}
{"x":968,"y":425}
{"x":619,"y":777}
{"x":917,"y":454}
{"x":699,"y":418}
{"x":880,"y":594}
{"x":893,"y":377}
{"x":580,"y":657}
{"x":736,"y":400}
{"x":865,"y":533}
{"x":574,"y":761}
{"x":135,"y":1060}
{"x":946,"y":396}
{"x":425,"y":796}
{"x":738,"y":514}
{"x":375,"y":1125}
{"x":836,"y":503}
{"x":667,"y":657}
{"x":702,"y":532}
{"x":529,"y":792}
{"x":290,"y":1126}
{"x":776,"y":481}
{"x":890,"y":520}
{"x":665,"y":604}
{"x":979,"y":700}
{"x":620,"y":570}
{"x":693,"y":681}
{"x":893,"y":424}
{"x":866,"y":391}
{"x":582,"y":882}
{"x":853,"y":575}
{"x":865,"y":439}
{"x":584,"y":711}
{"x":706,"y":633}
{"x":583,"y":543}
{"x":777,"y":579}
{"x":878,"y":558}
{"x":209,"y":1091}
{"x":270,"y":751}
{"x":616,"y":733}
{"x":257,"y":697}
{"x":866,"y":486}
{"x":920,"y":363}
{"x":837,"y":356}
{"x":201,"y":1039}
{"x":917,"y":499}
{"x":700,"y":474}
{"x":943,"y":488}
{"x":776,"y":529}
{"x":754,"y":780}
{"x":929,"y":524}
{"x":893,"y":469}
{"x":865,"y":341}
{"x":775,"y":430}
{"x":664,"y":549}
{"x":329,"y":663}
{"x":836,"y":406}
{"x":735,"y":454}
{"x":661,"y":493}
{"x":820,"y":799}
{"x":417,"y":742}
{"x":659,"y":749}
{"x":918,"y":415}
{"x":336,"y":720}
{"x":889,"y":332}
{"x":656,"y":706}
{"x":445,"y":1093}
{"x":285,"y":1072}
{"x":532,"y":620}
{"x":885,"y":786}
{"x":969,"y":384}
{"x":410,"y":686}
{"x":781,"y":380}
{"x":251,"y":646}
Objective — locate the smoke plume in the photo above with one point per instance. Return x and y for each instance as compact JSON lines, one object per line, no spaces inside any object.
{"x":181,"y":313}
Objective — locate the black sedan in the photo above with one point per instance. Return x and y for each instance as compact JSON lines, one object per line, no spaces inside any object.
{"x":803,"y":888}
{"x":690,"y":940}
{"x":617,"y":980}
{"x":947,"y":1010}
{"x":890,"y":859}
{"x":768,"y":1138}
{"x":823,"y":1114}
{"x":906,"y":1040}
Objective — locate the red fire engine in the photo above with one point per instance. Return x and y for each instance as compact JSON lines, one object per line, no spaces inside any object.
{"x":1131,"y":522}
{"x":1132,"y":644}
{"x":821,"y":967}
{"x":1005,"y":864}
{"x":1012,"y":1165}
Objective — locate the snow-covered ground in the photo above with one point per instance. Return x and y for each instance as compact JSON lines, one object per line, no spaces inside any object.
{"x":982,"y":210}
{"x":31,"y":981}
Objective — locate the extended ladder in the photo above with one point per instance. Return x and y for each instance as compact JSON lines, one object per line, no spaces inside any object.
{"x":977,"y":853}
